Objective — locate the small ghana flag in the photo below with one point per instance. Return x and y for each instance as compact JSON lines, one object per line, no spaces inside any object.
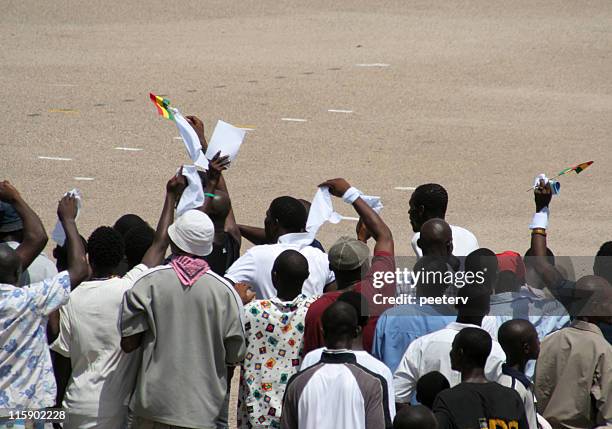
{"x":163,"y":106}
{"x":577,"y":168}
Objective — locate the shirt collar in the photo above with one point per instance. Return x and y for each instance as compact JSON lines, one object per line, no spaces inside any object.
{"x":586,"y":326}
{"x":340,"y":356}
{"x":301,"y":239}
{"x":514,"y":373}
{"x":456,"y":326}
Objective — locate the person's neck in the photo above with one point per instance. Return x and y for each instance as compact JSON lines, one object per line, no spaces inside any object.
{"x":102,"y":273}
{"x":288,"y":295}
{"x":357,"y":343}
{"x":470,"y":320}
{"x":473,"y":375}
{"x":436,"y":251}
{"x":341,"y":344}
{"x":518,"y":365}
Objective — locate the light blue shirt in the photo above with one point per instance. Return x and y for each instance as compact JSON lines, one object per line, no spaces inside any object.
{"x":399,"y":326}
{"x":546,"y":314}
{"x":26,"y":374}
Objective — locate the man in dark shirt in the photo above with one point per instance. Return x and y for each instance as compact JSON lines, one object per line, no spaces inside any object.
{"x":477,"y":402}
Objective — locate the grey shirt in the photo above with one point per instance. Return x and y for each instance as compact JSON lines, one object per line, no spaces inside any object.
{"x":191,"y":334}
{"x":41,"y":268}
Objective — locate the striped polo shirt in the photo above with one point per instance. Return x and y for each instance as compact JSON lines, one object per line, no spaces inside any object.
{"x":336,"y":393}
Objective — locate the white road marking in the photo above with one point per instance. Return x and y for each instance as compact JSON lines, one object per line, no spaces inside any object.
{"x":294,"y":119}
{"x":84,"y":178}
{"x":405,"y":188}
{"x":129,"y":149}
{"x":339,"y":111}
{"x":356,"y":219}
{"x":55,"y":158}
{"x":177,"y":138}
{"x":373,"y":65}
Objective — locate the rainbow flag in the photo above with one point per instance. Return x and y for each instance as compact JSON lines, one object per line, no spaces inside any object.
{"x":577,"y":168}
{"x":163,"y":106}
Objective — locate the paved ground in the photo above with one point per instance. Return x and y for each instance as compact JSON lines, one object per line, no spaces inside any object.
{"x":477,"y":95}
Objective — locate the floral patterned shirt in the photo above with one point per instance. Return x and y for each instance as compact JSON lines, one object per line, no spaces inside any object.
{"x":26,"y":374}
{"x":274,"y":331}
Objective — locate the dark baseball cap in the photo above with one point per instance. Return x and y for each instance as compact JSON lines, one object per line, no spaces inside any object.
{"x":10,"y":220}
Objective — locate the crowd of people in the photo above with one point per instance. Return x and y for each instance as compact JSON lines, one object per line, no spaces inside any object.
{"x":144,"y":328}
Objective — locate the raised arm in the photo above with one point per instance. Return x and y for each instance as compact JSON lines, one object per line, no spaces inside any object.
{"x":78,"y":268}
{"x":156,"y":253}
{"x":216,"y":165}
{"x":34,"y":235}
{"x":551,"y":277}
{"x":372,"y":221}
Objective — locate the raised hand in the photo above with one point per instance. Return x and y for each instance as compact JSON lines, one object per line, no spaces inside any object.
{"x":197,"y":124}
{"x":337,"y":187}
{"x":176,"y":185}
{"x":542,"y":195}
{"x":216,"y":165}
{"x":67,"y":208}
{"x":8,"y":193}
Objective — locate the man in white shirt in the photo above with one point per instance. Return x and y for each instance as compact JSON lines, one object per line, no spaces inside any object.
{"x":337,"y":392}
{"x":520,"y":342}
{"x":284,"y":225}
{"x":431,"y":352}
{"x":103,"y":376}
{"x":430,"y":201}
{"x":365,"y":359}
{"x":26,"y":375}
{"x":11,"y":233}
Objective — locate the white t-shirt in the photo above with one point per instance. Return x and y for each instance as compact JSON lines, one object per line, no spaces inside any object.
{"x":431,"y":353}
{"x":364,"y":359}
{"x":103,"y":376}
{"x":255,"y":266}
{"x":464,"y":242}
{"x":526,"y":394}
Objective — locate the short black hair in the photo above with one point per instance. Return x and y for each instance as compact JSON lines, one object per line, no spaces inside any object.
{"x":339,"y":321}
{"x":105,"y":248}
{"x":291,"y":267}
{"x":433,"y":197}
{"x":428,"y":387}
{"x":602,"y":266}
{"x":511,"y":335}
{"x":415,"y":417}
{"x":359,"y":303}
{"x":483,"y":260}
{"x":289,"y":212}
{"x":137,"y":242}
{"x":127,"y":222}
{"x":476,"y":344}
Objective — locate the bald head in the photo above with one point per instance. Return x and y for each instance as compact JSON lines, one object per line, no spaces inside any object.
{"x":10,"y":265}
{"x":519,"y":339}
{"x":415,"y":417}
{"x":219,"y":206}
{"x":593,"y":299}
{"x":289,"y":272}
{"x":436,"y":238}
{"x":340,"y":325}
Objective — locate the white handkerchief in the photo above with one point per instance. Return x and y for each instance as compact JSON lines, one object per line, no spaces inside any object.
{"x":190,"y":138}
{"x":227,"y":139}
{"x":321,"y":211}
{"x":373,"y":202}
{"x":58,"y":234}
{"x":193,"y":195}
